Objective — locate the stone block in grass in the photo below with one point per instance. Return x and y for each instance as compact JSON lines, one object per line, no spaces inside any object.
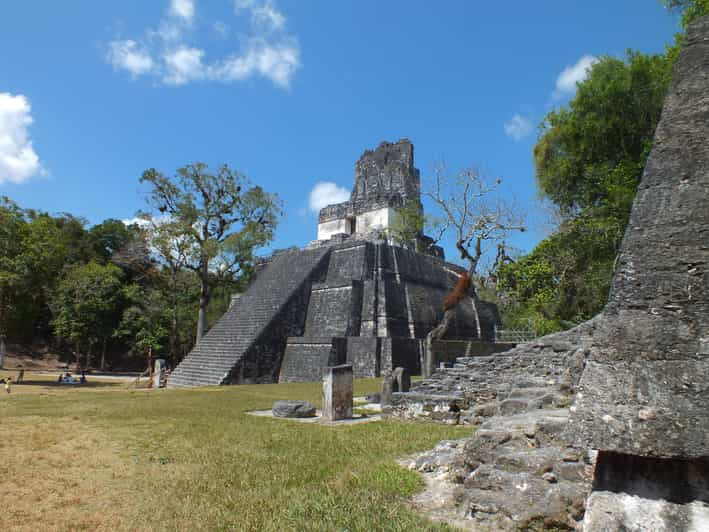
{"x":293,"y":409}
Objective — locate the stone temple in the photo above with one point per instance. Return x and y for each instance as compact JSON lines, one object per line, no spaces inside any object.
{"x":351,"y":296}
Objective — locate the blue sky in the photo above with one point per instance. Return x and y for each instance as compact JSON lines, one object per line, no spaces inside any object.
{"x":289,"y":92}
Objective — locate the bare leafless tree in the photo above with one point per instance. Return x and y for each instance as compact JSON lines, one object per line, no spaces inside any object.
{"x":470,"y":209}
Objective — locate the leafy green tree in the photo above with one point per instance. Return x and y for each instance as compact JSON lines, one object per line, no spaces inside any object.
{"x":86,"y":307}
{"x":408,"y":224}
{"x":690,"y":10}
{"x":144,"y":321}
{"x":589,"y":160}
{"x":110,"y":237}
{"x":176,"y":250}
{"x":221,"y":215}
{"x":591,"y":154}
{"x":13,"y":229}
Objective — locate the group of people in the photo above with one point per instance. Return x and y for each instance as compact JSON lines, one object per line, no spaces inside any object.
{"x":68,"y":378}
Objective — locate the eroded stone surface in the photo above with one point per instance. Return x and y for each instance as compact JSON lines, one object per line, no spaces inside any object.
{"x":293,"y":409}
{"x":649,"y":354}
{"x":337,"y":393}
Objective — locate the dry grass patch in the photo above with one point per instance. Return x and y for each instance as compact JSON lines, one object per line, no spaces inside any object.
{"x":194,"y":460}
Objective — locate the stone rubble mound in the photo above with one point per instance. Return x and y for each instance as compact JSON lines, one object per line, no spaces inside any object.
{"x":635,"y":375}
{"x":517,"y":471}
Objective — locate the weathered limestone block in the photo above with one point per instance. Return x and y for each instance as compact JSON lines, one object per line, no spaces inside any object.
{"x":387,"y":389}
{"x":337,"y":393}
{"x":159,"y":373}
{"x":645,"y":389}
{"x":402,"y":379}
{"x":293,"y":409}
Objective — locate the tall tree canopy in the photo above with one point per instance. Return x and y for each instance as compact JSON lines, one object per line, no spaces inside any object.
{"x":221,"y":216}
{"x":589,"y":160}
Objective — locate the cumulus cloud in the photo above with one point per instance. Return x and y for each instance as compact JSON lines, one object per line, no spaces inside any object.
{"x":326,"y":193}
{"x":129,"y":55}
{"x":277,"y":62}
{"x":518,"y":127}
{"x":183,"y":65}
{"x":573,"y":74}
{"x":18,"y":160}
{"x":183,"y":9}
{"x":268,"y":51}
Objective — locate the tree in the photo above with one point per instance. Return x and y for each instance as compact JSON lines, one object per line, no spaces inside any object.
{"x":408,"y":224}
{"x":87,"y":306}
{"x":589,"y":160}
{"x":13,"y":228}
{"x":221,"y":216}
{"x":690,"y":10}
{"x":143,"y":323}
{"x":472,"y":211}
{"x":175,"y":251}
{"x":109,"y":237}
{"x":591,"y":154}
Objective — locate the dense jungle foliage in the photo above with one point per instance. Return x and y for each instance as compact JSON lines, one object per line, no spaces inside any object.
{"x":589,"y":159}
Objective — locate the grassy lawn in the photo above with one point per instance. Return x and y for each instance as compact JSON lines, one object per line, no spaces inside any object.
{"x":113,"y":458}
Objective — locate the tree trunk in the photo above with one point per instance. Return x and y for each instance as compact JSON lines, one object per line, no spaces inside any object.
{"x":174,"y":322}
{"x":2,"y":349}
{"x":438,"y":332}
{"x":103,"y":355}
{"x":203,"y":301}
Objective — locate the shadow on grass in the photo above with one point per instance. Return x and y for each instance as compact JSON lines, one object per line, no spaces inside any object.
{"x":87,"y":385}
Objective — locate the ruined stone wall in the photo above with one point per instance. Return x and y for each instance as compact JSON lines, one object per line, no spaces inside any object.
{"x":386,"y":296}
{"x":384,"y":177}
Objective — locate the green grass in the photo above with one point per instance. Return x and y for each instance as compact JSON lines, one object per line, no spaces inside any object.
{"x":194,"y":460}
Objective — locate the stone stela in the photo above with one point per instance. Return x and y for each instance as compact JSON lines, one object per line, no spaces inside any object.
{"x":337,"y":393}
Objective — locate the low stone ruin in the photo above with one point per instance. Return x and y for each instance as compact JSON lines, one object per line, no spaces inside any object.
{"x":606,"y":426}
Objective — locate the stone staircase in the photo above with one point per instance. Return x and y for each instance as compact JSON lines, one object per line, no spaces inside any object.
{"x":517,"y":471}
{"x":530,"y":376}
{"x":217,"y":358}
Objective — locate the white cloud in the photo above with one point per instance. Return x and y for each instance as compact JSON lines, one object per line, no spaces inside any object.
{"x":277,"y":62}
{"x":130,"y":56}
{"x":183,"y":9}
{"x":140,"y":222}
{"x":183,"y":65}
{"x":573,"y":74}
{"x":18,"y":160}
{"x":268,"y":17}
{"x":267,"y":51}
{"x":518,"y":127}
{"x":265,"y":16}
{"x":326,"y":193}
